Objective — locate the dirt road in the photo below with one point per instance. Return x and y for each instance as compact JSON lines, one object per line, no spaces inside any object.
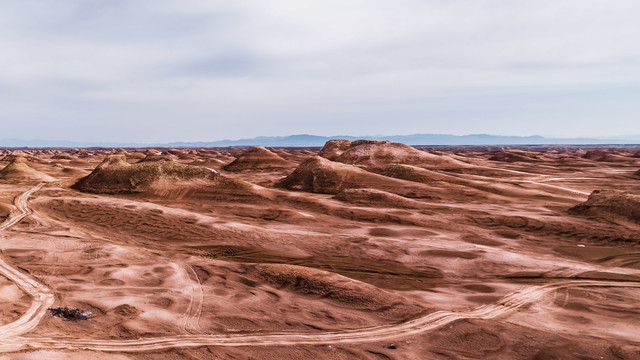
{"x":42,"y":297}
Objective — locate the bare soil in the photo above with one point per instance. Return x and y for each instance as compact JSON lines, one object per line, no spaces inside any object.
{"x":362,"y":249}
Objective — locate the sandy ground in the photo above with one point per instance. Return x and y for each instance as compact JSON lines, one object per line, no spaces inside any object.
{"x":442,"y":253}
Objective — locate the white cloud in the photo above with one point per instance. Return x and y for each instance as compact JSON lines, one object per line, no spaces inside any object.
{"x":86,"y":69}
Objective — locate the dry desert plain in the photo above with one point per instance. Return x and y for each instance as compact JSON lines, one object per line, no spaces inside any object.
{"x":358,"y":250}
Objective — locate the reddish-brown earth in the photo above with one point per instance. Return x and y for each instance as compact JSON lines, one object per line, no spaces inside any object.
{"x":258,"y":158}
{"x":359,"y":250}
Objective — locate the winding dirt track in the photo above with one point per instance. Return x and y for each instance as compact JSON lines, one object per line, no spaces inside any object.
{"x":43,"y":297}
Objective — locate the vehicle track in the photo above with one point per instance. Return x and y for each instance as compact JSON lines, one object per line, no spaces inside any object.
{"x":43,"y":298}
{"x":191,"y":318}
{"x":198,"y":313}
{"x":431,"y":321}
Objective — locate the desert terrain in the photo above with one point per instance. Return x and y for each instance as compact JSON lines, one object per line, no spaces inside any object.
{"x":357,"y":250}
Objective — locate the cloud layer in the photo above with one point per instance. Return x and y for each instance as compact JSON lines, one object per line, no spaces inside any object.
{"x":155,"y":70}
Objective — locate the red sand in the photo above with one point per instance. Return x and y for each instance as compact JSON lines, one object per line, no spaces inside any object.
{"x":371,"y":250}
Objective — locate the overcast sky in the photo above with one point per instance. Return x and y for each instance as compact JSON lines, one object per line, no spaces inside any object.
{"x":186,"y":70}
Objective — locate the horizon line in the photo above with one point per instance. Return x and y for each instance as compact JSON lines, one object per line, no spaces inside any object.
{"x":298,"y":140}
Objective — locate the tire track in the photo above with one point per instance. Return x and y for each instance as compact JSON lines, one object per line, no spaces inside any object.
{"x":195,"y":319}
{"x":506,"y":305}
{"x":42,"y":296}
{"x":191,"y":317}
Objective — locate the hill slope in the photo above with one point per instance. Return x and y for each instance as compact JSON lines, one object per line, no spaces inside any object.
{"x":19,"y":169}
{"x":163,"y":178}
{"x":258,"y":158}
{"x":320,"y":175}
{"x":377,"y":153}
{"x":610,"y":205}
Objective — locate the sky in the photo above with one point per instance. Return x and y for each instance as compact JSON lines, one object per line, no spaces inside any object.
{"x":187,"y":70}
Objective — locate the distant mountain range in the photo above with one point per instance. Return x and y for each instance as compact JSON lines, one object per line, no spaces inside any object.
{"x":314,"y":140}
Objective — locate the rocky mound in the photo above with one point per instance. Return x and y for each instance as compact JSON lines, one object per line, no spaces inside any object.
{"x":334,"y":148}
{"x":258,"y":158}
{"x":320,"y":175}
{"x":11,"y":156}
{"x":181,"y":154}
{"x":595,"y":155}
{"x":605,"y":156}
{"x":207,"y":153}
{"x":512,"y":156}
{"x":377,"y":154}
{"x":296,"y":156}
{"x":136,"y":155}
{"x":62,"y":156}
{"x":168,"y":179}
{"x":79,"y":153}
{"x":120,"y":151}
{"x":378,"y":198}
{"x":155,"y":158}
{"x":610,"y":205}
{"x":19,"y":169}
